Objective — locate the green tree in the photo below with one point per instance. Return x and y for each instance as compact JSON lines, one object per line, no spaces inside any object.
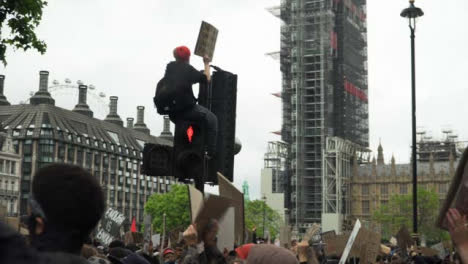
{"x":254,"y":218}
{"x":399,"y":212}
{"x":22,"y":17}
{"x":176,"y":206}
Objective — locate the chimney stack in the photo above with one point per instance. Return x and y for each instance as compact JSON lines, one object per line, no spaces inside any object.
{"x":82,"y":106}
{"x":130,"y":122}
{"x":166,"y":133}
{"x":42,"y":96}
{"x":113,"y":117}
{"x":140,"y":124}
{"x":3,"y":100}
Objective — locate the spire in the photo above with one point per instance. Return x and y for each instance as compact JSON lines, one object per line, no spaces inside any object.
{"x":82,"y":106}
{"x":3,"y":100}
{"x":43,"y":96}
{"x":166,"y":133}
{"x":431,"y":165}
{"x":113,"y":117}
{"x":140,"y":124}
{"x":380,"y":156}
{"x":393,"y":170}
{"x":374,"y":167}
{"x":245,"y":188}
{"x":452,"y":165}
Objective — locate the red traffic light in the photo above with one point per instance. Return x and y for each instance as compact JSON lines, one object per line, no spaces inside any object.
{"x":190,"y":133}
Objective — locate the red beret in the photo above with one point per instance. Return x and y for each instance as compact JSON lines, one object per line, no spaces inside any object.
{"x":182,"y":53}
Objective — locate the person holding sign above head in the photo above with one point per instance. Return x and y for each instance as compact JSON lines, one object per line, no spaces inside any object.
{"x":174,"y":95}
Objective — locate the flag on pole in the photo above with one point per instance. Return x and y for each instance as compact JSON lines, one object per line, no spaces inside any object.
{"x":133,"y":229}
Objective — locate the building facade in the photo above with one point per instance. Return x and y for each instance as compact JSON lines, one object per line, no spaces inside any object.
{"x":374,"y":184}
{"x":273,"y":177}
{"x":10,"y":175}
{"x":324,"y":65}
{"x":43,"y":133}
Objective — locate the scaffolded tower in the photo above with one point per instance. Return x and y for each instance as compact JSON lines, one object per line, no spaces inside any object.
{"x":324,"y":64}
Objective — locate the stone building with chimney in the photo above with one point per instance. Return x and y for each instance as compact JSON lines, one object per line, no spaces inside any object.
{"x":374,"y":183}
{"x":44,"y":133}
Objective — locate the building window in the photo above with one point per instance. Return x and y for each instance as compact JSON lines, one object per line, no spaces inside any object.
{"x":89,"y":158}
{"x":384,"y":189}
{"x":365,"y":189}
{"x":13,"y":168}
{"x":403,"y":189}
{"x":443,"y":188}
{"x":79,"y":157}
{"x":61,"y":152}
{"x":365,"y":207}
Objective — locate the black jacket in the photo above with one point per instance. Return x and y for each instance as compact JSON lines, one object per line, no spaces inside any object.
{"x":13,"y":250}
{"x":180,"y":76}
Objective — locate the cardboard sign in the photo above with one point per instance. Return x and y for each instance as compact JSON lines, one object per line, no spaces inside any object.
{"x":404,"y":239}
{"x":206,"y":42}
{"x":228,"y":190}
{"x":370,"y":247}
{"x":227,"y":234}
{"x":311,"y":232}
{"x":109,"y":227}
{"x":196,"y":202}
{"x":213,"y":208}
{"x":285,"y":236}
{"x":350,"y":243}
{"x":335,"y":245}
{"x":457,"y":196}
{"x":156,"y":239}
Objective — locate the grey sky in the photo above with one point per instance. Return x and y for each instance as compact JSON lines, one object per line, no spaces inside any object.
{"x":122,"y":48}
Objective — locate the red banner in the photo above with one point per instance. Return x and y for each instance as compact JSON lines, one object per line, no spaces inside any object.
{"x":352,"y":89}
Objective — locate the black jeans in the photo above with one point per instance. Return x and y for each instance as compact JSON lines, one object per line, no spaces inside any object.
{"x":199,"y":113}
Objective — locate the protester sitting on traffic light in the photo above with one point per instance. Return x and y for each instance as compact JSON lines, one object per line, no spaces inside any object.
{"x":65,"y":205}
{"x":174,"y":95}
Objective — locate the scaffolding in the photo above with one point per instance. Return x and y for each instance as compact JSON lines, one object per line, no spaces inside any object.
{"x":339,"y":156}
{"x":439,"y":149}
{"x":275,"y":158}
{"x":323,"y":60}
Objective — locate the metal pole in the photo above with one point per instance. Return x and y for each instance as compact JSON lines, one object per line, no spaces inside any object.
{"x":415,"y":161}
{"x":264,"y":213}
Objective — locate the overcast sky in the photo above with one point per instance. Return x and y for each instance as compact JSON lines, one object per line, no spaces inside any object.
{"x":122,"y":48}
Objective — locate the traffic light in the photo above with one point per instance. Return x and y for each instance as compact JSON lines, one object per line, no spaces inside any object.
{"x":157,"y":160}
{"x":189,"y":146}
{"x":223,"y":100}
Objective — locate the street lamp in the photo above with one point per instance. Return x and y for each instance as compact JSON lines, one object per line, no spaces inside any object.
{"x":264,"y":214}
{"x":412,"y":13}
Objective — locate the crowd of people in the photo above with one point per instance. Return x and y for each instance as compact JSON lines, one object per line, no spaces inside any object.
{"x":67,"y":203}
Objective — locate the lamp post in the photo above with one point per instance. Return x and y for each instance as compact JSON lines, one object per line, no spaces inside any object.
{"x":264,"y":214}
{"x":412,"y":13}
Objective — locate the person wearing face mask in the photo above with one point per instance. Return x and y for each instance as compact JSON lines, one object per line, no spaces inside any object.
{"x":66,"y":204}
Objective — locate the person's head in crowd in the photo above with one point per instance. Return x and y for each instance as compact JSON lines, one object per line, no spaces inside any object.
{"x":88,"y":251}
{"x":169,"y":256}
{"x":236,"y":261}
{"x":132,"y":247}
{"x":243,"y":251}
{"x":210,"y":232}
{"x":267,"y":253}
{"x":66,"y":204}
{"x":134,"y":259}
{"x":117,"y":243}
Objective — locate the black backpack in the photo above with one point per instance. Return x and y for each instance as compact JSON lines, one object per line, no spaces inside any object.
{"x":164,"y":98}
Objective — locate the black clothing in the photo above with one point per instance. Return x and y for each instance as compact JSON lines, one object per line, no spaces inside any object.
{"x":13,"y":250}
{"x":181,"y":76}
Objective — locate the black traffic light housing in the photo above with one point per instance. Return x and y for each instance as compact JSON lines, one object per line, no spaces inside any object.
{"x":157,"y":160}
{"x":189,"y":152}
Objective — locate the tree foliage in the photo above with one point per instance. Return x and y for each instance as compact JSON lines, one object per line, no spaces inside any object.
{"x":175,"y":204}
{"x":22,"y":17}
{"x":399,"y":212}
{"x":254,"y":218}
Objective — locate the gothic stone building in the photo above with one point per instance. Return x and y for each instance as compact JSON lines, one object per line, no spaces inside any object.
{"x":373,"y":184}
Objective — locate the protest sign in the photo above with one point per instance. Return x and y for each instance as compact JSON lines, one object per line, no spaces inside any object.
{"x":370,"y":247}
{"x":311,"y":232}
{"x":213,"y":208}
{"x":404,"y":239}
{"x":156,"y":239}
{"x":196,"y":202}
{"x":350,"y":243}
{"x":226,"y":238}
{"x":109,"y":227}
{"x":457,"y":196}
{"x":206,"y":42}
{"x":285,"y":236}
{"x":228,"y":190}
{"x":335,"y":245}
